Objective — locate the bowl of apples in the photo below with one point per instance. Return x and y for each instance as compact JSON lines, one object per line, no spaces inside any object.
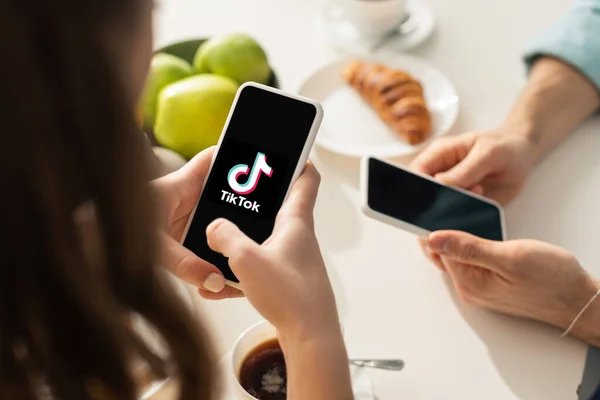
{"x":190,"y":88}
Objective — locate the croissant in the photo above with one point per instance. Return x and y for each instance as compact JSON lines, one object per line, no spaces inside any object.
{"x":395,"y":95}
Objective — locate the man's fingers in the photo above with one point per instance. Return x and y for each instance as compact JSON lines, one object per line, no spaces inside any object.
{"x":471,"y":170}
{"x":303,"y":195}
{"x":433,"y":257}
{"x":477,"y":189}
{"x":442,"y":155}
{"x":188,"y":267}
{"x":467,"y":249}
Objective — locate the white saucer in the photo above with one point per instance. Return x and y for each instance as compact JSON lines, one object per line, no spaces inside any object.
{"x":352,"y":128}
{"x":342,"y":35}
{"x":361,"y":384}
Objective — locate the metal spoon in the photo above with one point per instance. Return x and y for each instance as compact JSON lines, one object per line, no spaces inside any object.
{"x":392,"y":365}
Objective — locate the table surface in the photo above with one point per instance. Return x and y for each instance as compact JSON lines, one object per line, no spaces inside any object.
{"x":393,"y":302}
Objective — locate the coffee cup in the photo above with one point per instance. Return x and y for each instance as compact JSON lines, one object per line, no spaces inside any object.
{"x":257,"y":357}
{"x":249,"y":340}
{"x":370,"y":18}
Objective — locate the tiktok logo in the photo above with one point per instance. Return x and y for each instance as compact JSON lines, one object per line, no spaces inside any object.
{"x":260,"y":167}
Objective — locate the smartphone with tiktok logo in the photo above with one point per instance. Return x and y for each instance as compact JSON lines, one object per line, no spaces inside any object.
{"x":263,"y":149}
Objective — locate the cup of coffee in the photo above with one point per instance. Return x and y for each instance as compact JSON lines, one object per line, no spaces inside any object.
{"x":258,"y":365}
{"x":371,"y":18}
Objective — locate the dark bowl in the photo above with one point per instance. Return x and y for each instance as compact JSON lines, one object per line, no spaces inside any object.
{"x":186,"y":49}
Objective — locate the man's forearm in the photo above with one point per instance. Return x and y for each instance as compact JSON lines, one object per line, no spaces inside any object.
{"x":556,"y":99}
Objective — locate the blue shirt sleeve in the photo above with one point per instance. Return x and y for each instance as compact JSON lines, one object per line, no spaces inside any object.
{"x":574,"y":38}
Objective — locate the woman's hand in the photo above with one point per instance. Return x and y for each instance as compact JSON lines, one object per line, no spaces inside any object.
{"x":178,"y":193}
{"x":286,"y":281}
{"x":284,"y":278}
{"x":494,"y":163}
{"x":524,"y":278}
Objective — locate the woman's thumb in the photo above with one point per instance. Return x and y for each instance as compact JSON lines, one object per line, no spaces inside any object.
{"x":226,"y":238}
{"x":466,"y":248}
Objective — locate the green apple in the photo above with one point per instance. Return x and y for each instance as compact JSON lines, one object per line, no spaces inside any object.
{"x":192,"y":113}
{"x":164,"y":70}
{"x":236,"y":56}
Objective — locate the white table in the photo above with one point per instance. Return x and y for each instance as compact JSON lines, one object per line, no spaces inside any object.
{"x":452,"y":350}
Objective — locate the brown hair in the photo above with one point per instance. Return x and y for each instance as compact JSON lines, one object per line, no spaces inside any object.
{"x":70,"y":138}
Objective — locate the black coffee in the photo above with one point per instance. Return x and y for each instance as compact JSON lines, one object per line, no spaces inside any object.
{"x":263,"y":372}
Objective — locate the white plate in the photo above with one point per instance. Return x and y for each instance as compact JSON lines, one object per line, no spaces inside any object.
{"x":351,"y":127}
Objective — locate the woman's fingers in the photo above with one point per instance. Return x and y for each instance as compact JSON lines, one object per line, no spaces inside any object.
{"x":226,"y":238}
{"x":188,"y":267}
{"x":180,"y":190}
{"x":228,"y":292}
{"x":197,"y":168}
{"x":303,"y":195}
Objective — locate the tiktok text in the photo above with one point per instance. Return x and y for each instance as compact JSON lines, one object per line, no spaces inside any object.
{"x":239,"y":201}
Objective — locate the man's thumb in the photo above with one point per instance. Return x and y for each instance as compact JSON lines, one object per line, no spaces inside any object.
{"x":470,"y":171}
{"x":466,"y":248}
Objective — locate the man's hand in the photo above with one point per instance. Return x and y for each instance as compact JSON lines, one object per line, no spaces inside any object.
{"x":555,"y":100}
{"x":178,"y":193}
{"x":494,"y":163}
{"x":524,"y":278}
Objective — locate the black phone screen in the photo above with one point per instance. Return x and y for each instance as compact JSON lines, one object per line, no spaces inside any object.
{"x":253,"y":169}
{"x":429,"y":205}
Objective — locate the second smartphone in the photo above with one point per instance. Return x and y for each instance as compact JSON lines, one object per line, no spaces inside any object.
{"x":263,"y":149}
{"x":420,"y":205}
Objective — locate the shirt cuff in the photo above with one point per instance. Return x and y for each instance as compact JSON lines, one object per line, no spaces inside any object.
{"x":575,"y":39}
